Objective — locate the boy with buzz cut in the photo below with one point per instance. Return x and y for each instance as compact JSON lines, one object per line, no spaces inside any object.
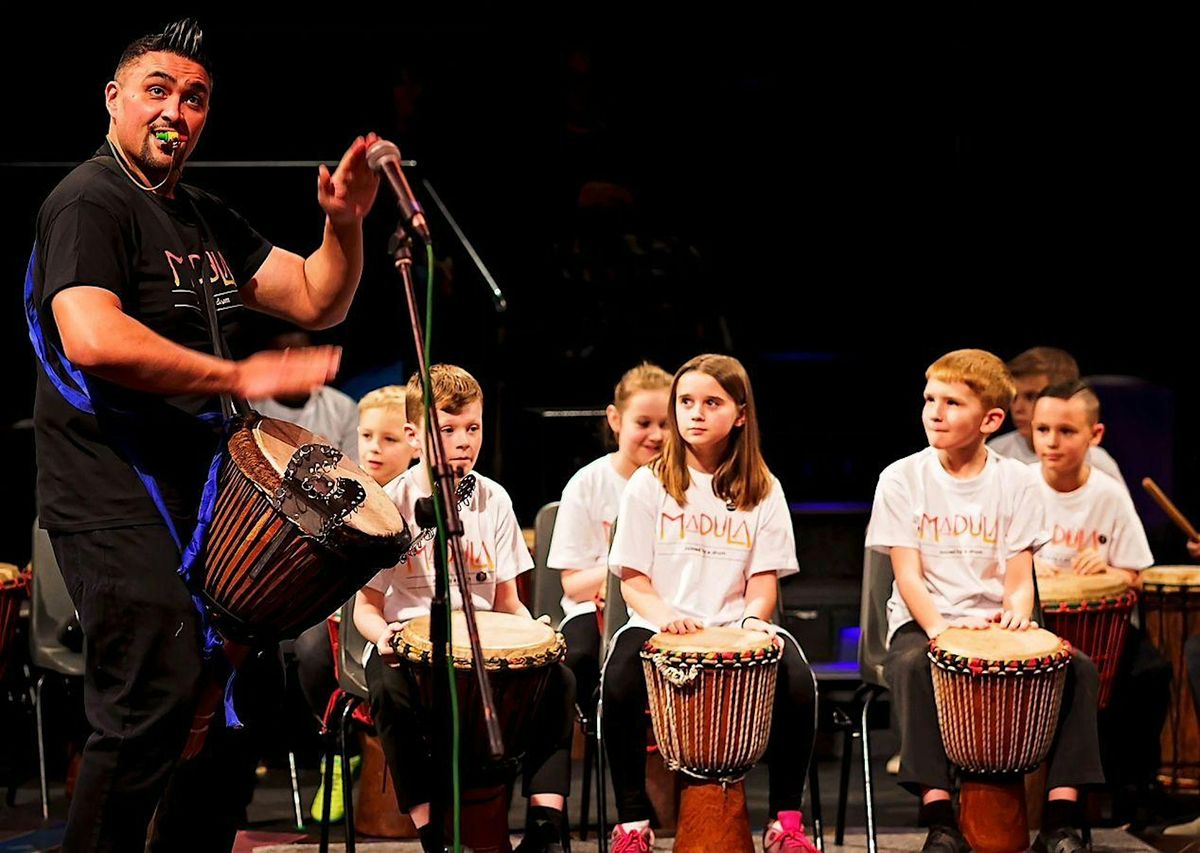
{"x":961,"y":524}
{"x":1033,"y":370}
{"x":495,"y":550}
{"x":1093,"y":526}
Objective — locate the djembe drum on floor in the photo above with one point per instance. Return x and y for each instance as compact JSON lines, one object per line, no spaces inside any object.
{"x":1171,"y":614}
{"x":1091,"y":612}
{"x":711,"y":697}
{"x":998,"y":695}
{"x":518,"y":653}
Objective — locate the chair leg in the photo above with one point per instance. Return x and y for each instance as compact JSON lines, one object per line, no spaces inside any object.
{"x":868,"y":786}
{"x":296,"y":808}
{"x":329,"y":738}
{"x":589,"y":757}
{"x":601,"y":790}
{"x":814,"y":804}
{"x":347,"y":776}
{"x":844,"y":782}
{"x":814,"y":798}
{"x":41,"y":742}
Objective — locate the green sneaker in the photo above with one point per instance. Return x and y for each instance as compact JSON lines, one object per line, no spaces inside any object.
{"x":337,"y":806}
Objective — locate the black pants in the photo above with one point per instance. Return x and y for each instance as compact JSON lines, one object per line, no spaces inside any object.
{"x":582,"y":634}
{"x":1191,"y":661}
{"x":142,"y":678}
{"x":1074,"y":759}
{"x":789,"y":750}
{"x":314,"y":668}
{"x":405,"y":730}
{"x":1131,"y":726}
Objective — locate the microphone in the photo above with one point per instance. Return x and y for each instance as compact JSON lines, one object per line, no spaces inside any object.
{"x":384,"y":157}
{"x":423,"y":513}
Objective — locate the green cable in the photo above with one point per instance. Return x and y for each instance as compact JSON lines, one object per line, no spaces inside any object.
{"x":441,"y":545}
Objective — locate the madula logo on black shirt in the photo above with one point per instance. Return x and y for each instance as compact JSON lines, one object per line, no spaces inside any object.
{"x":192,"y":271}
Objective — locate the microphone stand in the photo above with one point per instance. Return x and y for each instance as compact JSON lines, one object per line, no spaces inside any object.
{"x":439,"y":625}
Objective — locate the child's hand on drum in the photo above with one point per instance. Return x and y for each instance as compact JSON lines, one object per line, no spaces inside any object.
{"x":387,"y":653}
{"x":975,"y":623}
{"x":1088,"y":562}
{"x":684,"y":626}
{"x":1044,"y":568}
{"x":1010,"y":621}
{"x":753,"y":623}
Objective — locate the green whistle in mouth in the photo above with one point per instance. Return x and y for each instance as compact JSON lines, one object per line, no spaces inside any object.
{"x":167,"y":135}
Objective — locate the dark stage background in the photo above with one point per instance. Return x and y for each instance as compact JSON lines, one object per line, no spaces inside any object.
{"x":835,"y":201}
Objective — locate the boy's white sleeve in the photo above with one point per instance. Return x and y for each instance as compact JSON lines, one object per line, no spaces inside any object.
{"x":1129,"y":548}
{"x":891,"y":524}
{"x":512,"y":555}
{"x":1027,"y":524}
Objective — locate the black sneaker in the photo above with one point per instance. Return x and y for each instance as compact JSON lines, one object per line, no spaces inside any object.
{"x":1063,"y":840}
{"x":541,"y":837}
{"x":945,"y":839}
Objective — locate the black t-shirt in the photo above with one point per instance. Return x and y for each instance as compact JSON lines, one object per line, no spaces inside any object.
{"x":98,"y":229}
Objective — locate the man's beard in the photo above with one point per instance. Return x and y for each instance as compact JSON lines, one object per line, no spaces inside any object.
{"x":151,"y":168}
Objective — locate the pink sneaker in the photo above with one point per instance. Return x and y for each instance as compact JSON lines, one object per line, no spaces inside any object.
{"x":786,"y":835}
{"x":632,"y":837}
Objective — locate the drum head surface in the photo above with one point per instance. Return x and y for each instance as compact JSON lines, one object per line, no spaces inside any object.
{"x":1169,"y":576}
{"x":277,"y":440}
{"x":712,"y":640}
{"x":8,"y":573}
{"x":996,"y":644}
{"x":1068,"y":587}
{"x":502,"y":636}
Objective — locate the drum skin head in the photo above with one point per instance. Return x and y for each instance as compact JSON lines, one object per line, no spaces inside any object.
{"x":504,"y":637}
{"x":1068,"y":587}
{"x":997,"y":644}
{"x":1171,"y":576}
{"x":712,"y":640}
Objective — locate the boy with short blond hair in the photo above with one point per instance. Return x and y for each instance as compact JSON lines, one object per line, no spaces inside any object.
{"x":384,"y":453}
{"x":960,"y":524}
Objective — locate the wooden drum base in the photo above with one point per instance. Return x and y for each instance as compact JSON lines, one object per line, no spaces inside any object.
{"x":713,"y":818}
{"x":992,"y":814}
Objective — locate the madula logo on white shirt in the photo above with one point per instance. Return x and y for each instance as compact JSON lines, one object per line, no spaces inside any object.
{"x":478,"y":557}
{"x":704,"y":525}
{"x":935,"y":527}
{"x":1079,"y":540}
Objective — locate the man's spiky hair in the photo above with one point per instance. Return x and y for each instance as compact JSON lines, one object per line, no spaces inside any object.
{"x":184,"y":38}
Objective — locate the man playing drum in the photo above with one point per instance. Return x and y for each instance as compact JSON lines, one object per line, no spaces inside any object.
{"x":126,"y":264}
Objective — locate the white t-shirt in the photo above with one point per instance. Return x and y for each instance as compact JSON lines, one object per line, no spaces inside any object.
{"x":1014,"y":446}
{"x":1098,"y":515}
{"x":965,"y":530}
{"x":583,"y":526}
{"x":328,"y":412}
{"x":700,"y":556}
{"x":493,"y":548}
